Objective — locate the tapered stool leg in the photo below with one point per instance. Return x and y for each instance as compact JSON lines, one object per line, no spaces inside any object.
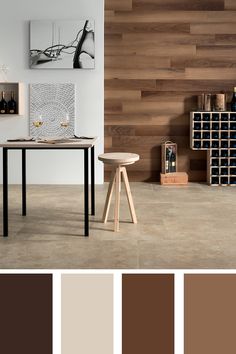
{"x":117,"y":198}
{"x":129,"y":195}
{"x":109,"y":196}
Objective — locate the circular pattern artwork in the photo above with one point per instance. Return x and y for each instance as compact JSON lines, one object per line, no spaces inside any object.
{"x":52,"y":110}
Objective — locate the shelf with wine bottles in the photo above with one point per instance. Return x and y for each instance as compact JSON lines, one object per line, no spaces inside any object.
{"x":216,"y":133}
{"x":11,"y":99}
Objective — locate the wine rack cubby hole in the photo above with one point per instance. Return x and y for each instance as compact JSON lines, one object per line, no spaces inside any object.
{"x":216,"y":133}
{"x":17,"y":88}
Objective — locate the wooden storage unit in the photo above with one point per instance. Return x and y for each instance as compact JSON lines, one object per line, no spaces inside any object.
{"x":177,"y":178}
{"x":17,"y":88}
{"x":216,"y":133}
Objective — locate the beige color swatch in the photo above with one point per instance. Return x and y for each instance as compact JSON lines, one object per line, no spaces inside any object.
{"x":87,"y":314}
{"x":210,"y":314}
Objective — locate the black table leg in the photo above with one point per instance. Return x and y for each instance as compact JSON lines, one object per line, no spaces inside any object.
{"x":5,"y":192}
{"x":86,"y":194}
{"x":23,"y":182}
{"x":92,"y":181}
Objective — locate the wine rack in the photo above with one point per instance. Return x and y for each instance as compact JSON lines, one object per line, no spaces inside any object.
{"x":17,"y":88}
{"x":216,"y":133}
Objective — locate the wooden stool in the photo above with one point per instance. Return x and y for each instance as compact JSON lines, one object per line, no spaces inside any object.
{"x":118,"y":161}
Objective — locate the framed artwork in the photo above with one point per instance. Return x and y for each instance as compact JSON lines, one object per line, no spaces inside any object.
{"x":64,"y":44}
{"x":52,"y":110}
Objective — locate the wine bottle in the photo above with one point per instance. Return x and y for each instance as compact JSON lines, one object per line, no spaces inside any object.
{"x":12,"y":104}
{"x":233,"y":102}
{"x":3,"y":104}
{"x":167,"y":160}
{"x":172,"y":161}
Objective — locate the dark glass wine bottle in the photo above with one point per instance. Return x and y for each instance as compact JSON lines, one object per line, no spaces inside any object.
{"x":12,"y":104}
{"x":168,"y":152}
{"x":172,"y":161}
{"x":233,"y":102}
{"x":3,"y":104}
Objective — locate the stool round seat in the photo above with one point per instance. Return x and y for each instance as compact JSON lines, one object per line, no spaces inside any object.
{"x":119,"y":158}
{"x":118,"y":161}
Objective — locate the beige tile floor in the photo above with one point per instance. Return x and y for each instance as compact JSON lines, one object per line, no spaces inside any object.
{"x":179,"y":227}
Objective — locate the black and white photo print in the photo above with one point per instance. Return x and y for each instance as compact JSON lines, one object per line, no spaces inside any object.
{"x":62,"y":44}
{"x":52,"y":110}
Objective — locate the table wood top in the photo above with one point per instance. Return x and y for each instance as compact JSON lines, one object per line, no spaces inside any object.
{"x":78,"y":143}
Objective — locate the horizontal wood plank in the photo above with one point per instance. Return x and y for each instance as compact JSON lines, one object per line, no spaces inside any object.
{"x":196,"y":85}
{"x":113,"y":106}
{"x":166,"y":38}
{"x":146,"y":119}
{"x":156,"y":107}
{"x":159,"y":96}
{"x":147,"y":27}
{"x":115,"y":84}
{"x":121,"y":5}
{"x":160,"y":17}
{"x":160,"y":50}
{"x":153,"y":130}
{"x":148,"y":141}
{"x":210,"y":73}
{"x":178,"y":5}
{"x":213,"y":28}
{"x":217,"y":51}
{"x":173,"y":16}
{"x":122,"y":95}
{"x":207,"y":62}
{"x":134,"y":74}
{"x":137,"y":62}
{"x":225,"y":39}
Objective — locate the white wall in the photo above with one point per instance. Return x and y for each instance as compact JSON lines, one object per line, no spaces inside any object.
{"x":59,"y":167}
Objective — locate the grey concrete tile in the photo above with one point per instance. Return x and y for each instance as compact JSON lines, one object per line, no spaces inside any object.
{"x":180,"y":254}
{"x":70,"y":254}
{"x":178,"y":227}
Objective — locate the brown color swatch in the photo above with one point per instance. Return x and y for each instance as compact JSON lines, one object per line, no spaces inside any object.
{"x":26,"y":313}
{"x":210,"y":313}
{"x":148,"y":313}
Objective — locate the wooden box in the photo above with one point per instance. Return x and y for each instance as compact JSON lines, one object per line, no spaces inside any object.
{"x":177,"y":178}
{"x":164,"y":161}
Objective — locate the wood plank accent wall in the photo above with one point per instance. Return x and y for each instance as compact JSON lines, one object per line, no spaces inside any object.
{"x":159,"y":54}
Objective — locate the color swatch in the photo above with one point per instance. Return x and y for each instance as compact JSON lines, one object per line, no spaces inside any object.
{"x":210,"y":313}
{"x":87,"y":314}
{"x":26,"y":313}
{"x":148,"y":313}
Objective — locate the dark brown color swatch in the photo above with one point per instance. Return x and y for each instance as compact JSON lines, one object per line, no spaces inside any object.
{"x":159,"y":55}
{"x":210,"y":313}
{"x":148,"y":314}
{"x":26,"y":313}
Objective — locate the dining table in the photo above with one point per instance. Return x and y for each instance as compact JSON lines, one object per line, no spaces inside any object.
{"x":87,"y":145}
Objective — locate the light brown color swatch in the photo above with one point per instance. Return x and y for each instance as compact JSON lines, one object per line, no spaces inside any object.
{"x":148,"y":314}
{"x":87,"y":314}
{"x":210,"y":313}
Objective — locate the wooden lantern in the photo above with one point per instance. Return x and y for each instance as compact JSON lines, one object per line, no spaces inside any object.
{"x":169,"y":157}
